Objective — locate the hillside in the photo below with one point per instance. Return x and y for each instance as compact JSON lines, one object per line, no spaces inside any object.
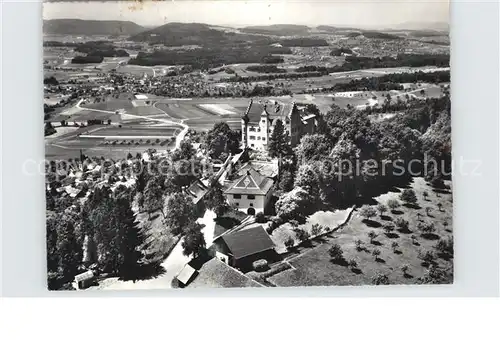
{"x":89,"y":27}
{"x":277,"y":29}
{"x":178,"y":34}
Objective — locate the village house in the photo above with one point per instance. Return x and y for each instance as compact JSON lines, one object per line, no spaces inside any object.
{"x":251,"y":192}
{"x":259,"y":120}
{"x":197,"y":191}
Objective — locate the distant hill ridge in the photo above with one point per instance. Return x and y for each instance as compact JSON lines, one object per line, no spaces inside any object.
{"x":90,"y":27}
{"x":178,"y":34}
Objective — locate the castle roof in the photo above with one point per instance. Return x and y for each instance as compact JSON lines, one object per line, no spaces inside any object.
{"x":271,"y":108}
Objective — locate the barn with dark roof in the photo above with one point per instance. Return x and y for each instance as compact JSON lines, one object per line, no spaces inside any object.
{"x":243,"y":247}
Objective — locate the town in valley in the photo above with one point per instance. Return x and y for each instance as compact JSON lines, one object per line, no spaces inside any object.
{"x":193,"y":155}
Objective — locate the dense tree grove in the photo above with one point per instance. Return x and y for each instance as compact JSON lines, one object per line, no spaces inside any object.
{"x":222,"y":140}
{"x":279,"y":141}
{"x":352,"y":157}
{"x":99,"y":229}
{"x":265,"y":69}
{"x":104,"y":232}
{"x":209,"y":57}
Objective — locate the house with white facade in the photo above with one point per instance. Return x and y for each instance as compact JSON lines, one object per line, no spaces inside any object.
{"x":251,"y":192}
{"x":259,"y":120}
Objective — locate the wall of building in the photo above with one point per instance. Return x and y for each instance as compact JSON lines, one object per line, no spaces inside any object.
{"x":244,"y":202}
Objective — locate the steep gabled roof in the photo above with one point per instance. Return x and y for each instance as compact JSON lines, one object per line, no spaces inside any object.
{"x":270,"y":108}
{"x":252,"y":182}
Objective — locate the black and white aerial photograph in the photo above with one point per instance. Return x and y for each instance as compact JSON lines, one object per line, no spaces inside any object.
{"x":247,"y":144}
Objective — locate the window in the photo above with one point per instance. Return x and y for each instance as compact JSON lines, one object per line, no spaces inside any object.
{"x":252,"y":137}
{"x":263,"y":138}
{"x":251,"y":205}
{"x":258,"y":138}
{"x":252,"y":129}
{"x":237,"y":196}
{"x":251,"y":197}
{"x":237,"y":204}
{"x":252,"y":145}
{"x":258,"y":129}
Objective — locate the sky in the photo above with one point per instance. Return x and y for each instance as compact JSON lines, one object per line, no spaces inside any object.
{"x":360,"y":13}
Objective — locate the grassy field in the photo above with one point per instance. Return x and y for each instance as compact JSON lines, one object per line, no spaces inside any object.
{"x":313,"y":266}
{"x":138,"y":131}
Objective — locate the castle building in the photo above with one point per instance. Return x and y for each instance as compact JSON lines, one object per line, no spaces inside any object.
{"x":259,"y":120}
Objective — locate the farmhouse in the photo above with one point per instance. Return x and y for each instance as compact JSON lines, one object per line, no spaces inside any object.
{"x":251,"y":192}
{"x":243,"y":247}
{"x":259,"y":120}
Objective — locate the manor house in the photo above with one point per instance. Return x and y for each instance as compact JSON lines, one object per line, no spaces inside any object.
{"x":259,"y":120}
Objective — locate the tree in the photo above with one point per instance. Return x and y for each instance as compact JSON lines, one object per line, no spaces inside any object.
{"x":428,"y":258}
{"x":388,"y":228}
{"x":359,"y":245}
{"x":405,"y":268}
{"x":428,"y":210}
{"x":260,"y":218}
{"x":393,"y":204}
{"x":215,"y":200}
{"x":445,"y":246}
{"x":307,"y":179}
{"x":425,"y":194}
{"x":69,"y":250}
{"x":286,"y":180}
{"x":184,"y":152}
{"x":301,"y":235}
{"x":289,"y":243}
{"x":408,"y":196}
{"x":353,"y":264}
{"x":128,"y":238}
{"x":380,"y":279}
{"x":153,"y":195}
{"x":294,"y":205}
{"x":179,"y":213}
{"x":316,"y":229}
{"x":312,"y":147}
{"x":402,"y":224}
{"x":381,"y":209}
{"x":221,"y":139}
{"x":426,"y":228}
{"x":440,"y":206}
{"x":413,"y":238}
{"x":367,"y":212}
{"x":372,"y":235}
{"x":52,"y":221}
{"x":279,"y":141}
{"x":436,"y":275}
{"x":336,"y":253}
{"x":194,"y":241}
{"x":376,"y":254}
{"x":394,"y":246}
